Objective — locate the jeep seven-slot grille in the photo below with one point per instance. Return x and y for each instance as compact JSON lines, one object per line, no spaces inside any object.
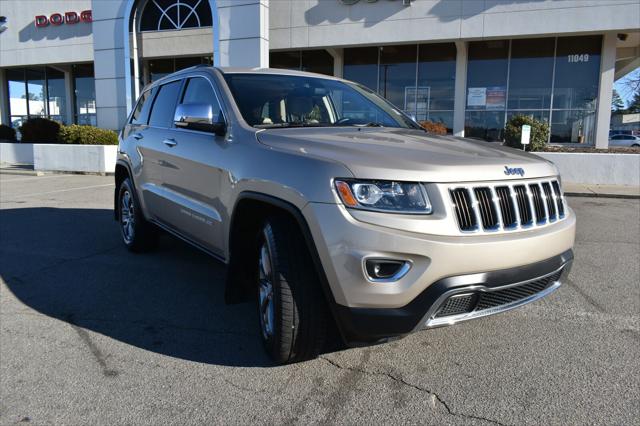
{"x":490,"y":207}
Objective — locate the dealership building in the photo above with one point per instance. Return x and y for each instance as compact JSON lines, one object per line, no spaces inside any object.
{"x":468,"y":64}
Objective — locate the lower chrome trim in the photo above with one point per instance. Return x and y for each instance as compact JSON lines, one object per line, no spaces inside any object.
{"x":429,"y":320}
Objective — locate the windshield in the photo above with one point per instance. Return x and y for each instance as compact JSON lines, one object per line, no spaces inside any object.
{"x":273,"y":100}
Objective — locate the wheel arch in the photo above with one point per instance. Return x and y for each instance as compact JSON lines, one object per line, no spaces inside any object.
{"x":237,"y":286}
{"x":122,"y":172}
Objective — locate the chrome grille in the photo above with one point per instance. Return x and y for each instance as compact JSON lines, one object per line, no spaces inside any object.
{"x":491,"y":207}
{"x":462,"y":206}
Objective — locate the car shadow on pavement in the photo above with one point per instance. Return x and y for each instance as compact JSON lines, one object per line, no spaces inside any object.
{"x":70,"y":264}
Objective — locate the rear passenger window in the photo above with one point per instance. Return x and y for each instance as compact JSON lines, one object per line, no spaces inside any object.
{"x":199,"y":91}
{"x":141,"y":113}
{"x":165,"y":105}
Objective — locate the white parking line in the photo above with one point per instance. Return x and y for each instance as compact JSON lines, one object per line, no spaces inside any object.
{"x":31,"y":178}
{"x":61,"y":190}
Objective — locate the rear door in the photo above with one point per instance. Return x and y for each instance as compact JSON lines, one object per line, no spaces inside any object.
{"x":156,"y":171}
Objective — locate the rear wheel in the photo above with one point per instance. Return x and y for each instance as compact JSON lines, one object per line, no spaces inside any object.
{"x":137,"y":234}
{"x":291,"y":307}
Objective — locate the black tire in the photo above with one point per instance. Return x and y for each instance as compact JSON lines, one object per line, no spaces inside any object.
{"x":299,"y":322}
{"x":137,"y":234}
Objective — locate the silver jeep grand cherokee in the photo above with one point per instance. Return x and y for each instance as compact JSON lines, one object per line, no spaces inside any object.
{"x":334,"y":210}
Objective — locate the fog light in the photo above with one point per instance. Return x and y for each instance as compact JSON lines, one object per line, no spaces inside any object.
{"x":386,"y":270}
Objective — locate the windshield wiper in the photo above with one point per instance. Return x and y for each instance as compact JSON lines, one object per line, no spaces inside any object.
{"x":287,"y":124}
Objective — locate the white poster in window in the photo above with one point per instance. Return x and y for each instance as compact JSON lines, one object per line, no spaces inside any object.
{"x":477,"y":97}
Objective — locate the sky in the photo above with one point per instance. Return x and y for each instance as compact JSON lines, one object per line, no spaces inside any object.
{"x":623,"y":90}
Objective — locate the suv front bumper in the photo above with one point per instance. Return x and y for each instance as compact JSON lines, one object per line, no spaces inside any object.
{"x":441,"y":266}
{"x":369,"y":325}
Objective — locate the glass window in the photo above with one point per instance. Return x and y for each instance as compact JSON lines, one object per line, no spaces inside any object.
{"x":573,"y":126}
{"x":531,"y":73}
{"x":436,"y":83}
{"x":85,"y":94}
{"x":164,"y":105}
{"x":141,"y":113}
{"x":57,"y":96}
{"x":17,"y":96}
{"x":36,"y":94}
{"x":318,"y":61}
{"x":487,"y":74}
{"x":295,"y":101}
{"x":199,"y":91}
{"x":577,"y":72}
{"x":487,"y":125}
{"x":398,"y":76}
{"x":361,"y":66}
{"x":159,"y":68}
{"x":289,"y":60}
{"x":175,"y":15}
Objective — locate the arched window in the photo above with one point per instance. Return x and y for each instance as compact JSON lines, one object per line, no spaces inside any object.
{"x":175,"y":15}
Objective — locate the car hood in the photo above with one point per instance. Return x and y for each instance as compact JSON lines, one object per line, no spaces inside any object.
{"x":410,"y":155}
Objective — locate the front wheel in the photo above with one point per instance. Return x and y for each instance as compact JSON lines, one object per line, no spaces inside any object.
{"x":291,"y":307}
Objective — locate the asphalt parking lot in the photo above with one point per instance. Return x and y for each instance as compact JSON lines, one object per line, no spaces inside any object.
{"x":90,"y":334}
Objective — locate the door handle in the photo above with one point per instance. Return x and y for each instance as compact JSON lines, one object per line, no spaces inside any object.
{"x":170,"y":142}
{"x":137,"y":136}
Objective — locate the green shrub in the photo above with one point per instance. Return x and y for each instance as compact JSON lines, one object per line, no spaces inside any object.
{"x":87,"y":135}
{"x":539,"y":132}
{"x":7,"y":133}
{"x":40,"y":130}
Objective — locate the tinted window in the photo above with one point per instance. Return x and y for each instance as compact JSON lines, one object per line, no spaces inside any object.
{"x":577,"y":72}
{"x":361,"y":65}
{"x":141,"y":113}
{"x":397,"y":77}
{"x":165,"y":105}
{"x":199,"y":91}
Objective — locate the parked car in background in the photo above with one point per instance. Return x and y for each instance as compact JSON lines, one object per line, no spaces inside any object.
{"x":331,"y":206}
{"x":624,"y":140}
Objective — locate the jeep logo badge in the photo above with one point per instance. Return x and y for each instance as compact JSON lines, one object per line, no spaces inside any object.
{"x":509,"y":171}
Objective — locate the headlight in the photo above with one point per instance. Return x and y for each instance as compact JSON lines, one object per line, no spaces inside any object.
{"x":385,"y":196}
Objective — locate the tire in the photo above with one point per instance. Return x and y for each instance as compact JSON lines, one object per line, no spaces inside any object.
{"x":137,"y":234}
{"x":291,"y":307}
{"x":635,"y":145}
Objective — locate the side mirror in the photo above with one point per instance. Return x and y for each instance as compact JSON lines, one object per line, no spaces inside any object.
{"x":198,"y":117}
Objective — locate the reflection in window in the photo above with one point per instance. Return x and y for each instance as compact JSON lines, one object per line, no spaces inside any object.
{"x":436,"y":83}
{"x":576,"y":126}
{"x":57,"y":96}
{"x":531,"y":73}
{"x":36,"y":92}
{"x":175,"y":15}
{"x":577,"y":72}
{"x":361,"y":66}
{"x":487,"y":125}
{"x":17,"y":96}
{"x":398,"y":76}
{"x":318,"y":61}
{"x":85,"y":94}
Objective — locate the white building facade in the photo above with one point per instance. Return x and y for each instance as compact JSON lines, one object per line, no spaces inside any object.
{"x":466,"y":65}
